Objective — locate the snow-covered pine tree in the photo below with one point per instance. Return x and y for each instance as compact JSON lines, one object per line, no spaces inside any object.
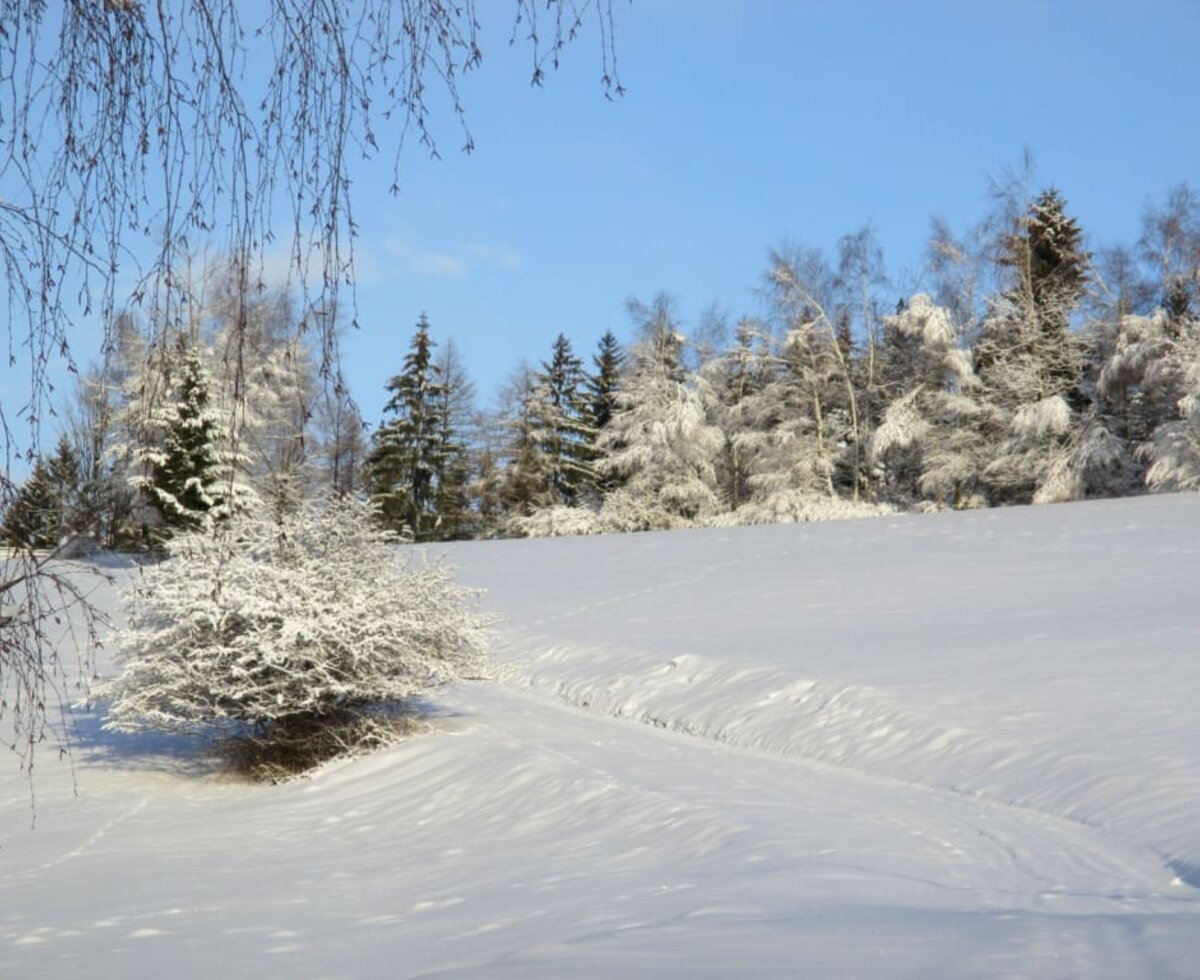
{"x":1139,"y":383}
{"x":177,"y":464}
{"x":604,"y":381}
{"x":408,"y":453}
{"x":602,"y":386}
{"x":487,"y":487}
{"x":551,"y":485}
{"x":29,"y":521}
{"x":292,"y":629}
{"x":46,"y":507}
{"x":1048,"y":270}
{"x":928,"y":444}
{"x":659,"y":443}
{"x":455,"y":410}
{"x":1173,"y":450}
{"x":735,"y":378}
{"x":565,"y":420}
{"x":66,"y":479}
{"x":525,"y":482}
{"x":1030,"y":362}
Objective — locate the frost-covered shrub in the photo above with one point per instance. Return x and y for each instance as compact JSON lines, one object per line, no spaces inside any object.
{"x":556,"y":522}
{"x":280,"y":629}
{"x":798,"y":507}
{"x":628,"y":509}
{"x":622,"y":512}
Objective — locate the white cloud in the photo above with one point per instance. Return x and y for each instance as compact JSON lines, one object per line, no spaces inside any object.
{"x":498,"y":257}
{"x":458,"y":262}
{"x":425,"y":263}
{"x":400,"y":257}
{"x":278,"y":265}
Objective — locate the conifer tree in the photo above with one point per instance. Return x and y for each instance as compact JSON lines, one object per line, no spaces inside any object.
{"x":1048,"y":267}
{"x":409,"y":451}
{"x":660,"y":443}
{"x":1173,"y":450}
{"x":604,"y":383}
{"x":29,"y":521}
{"x":455,"y":411}
{"x":66,"y":480}
{"x":603,"y":387}
{"x":735,"y":379}
{"x":927,"y":445}
{"x":568,"y":432}
{"x":487,"y":492}
{"x":179,"y":468}
{"x":1030,"y":362}
{"x":525,"y":485}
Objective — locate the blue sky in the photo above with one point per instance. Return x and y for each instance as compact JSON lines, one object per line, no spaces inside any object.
{"x":748,"y":124}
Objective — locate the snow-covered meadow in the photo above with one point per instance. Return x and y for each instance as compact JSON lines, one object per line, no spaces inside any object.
{"x":962,"y":745}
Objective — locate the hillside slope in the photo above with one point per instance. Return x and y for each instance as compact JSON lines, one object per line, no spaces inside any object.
{"x":951,"y":746}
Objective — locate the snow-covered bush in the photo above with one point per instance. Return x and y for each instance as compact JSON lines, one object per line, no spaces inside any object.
{"x":556,"y":522}
{"x":623,"y":511}
{"x":279,"y":629}
{"x":798,"y":507}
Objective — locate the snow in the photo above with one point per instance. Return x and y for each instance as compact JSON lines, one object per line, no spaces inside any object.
{"x":958,"y":745}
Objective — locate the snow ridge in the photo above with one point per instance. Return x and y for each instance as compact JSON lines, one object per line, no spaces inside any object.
{"x":869,"y":731}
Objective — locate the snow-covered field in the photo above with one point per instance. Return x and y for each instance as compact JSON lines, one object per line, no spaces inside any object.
{"x":955,"y":746}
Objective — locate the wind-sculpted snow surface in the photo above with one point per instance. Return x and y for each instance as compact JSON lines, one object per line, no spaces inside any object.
{"x":957,"y":746}
{"x":1043,"y":658}
{"x":866,"y":730}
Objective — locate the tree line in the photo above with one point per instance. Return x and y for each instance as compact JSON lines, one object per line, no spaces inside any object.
{"x":1023,"y":370}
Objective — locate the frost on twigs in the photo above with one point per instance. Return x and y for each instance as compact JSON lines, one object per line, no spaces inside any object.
{"x":292,"y":637}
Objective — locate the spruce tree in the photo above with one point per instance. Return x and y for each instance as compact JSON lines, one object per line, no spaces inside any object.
{"x":455,"y":410}
{"x":46,"y":507}
{"x":525,"y":485}
{"x":409,"y":451}
{"x":568,"y":433}
{"x":602,"y":389}
{"x":660,"y":443}
{"x":179,"y":469}
{"x":1030,"y":325}
{"x":604,"y":383}
{"x":1029,"y":361}
{"x":66,"y":480}
{"x":735,"y":378}
{"x":926,"y":445}
{"x":29,"y":521}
